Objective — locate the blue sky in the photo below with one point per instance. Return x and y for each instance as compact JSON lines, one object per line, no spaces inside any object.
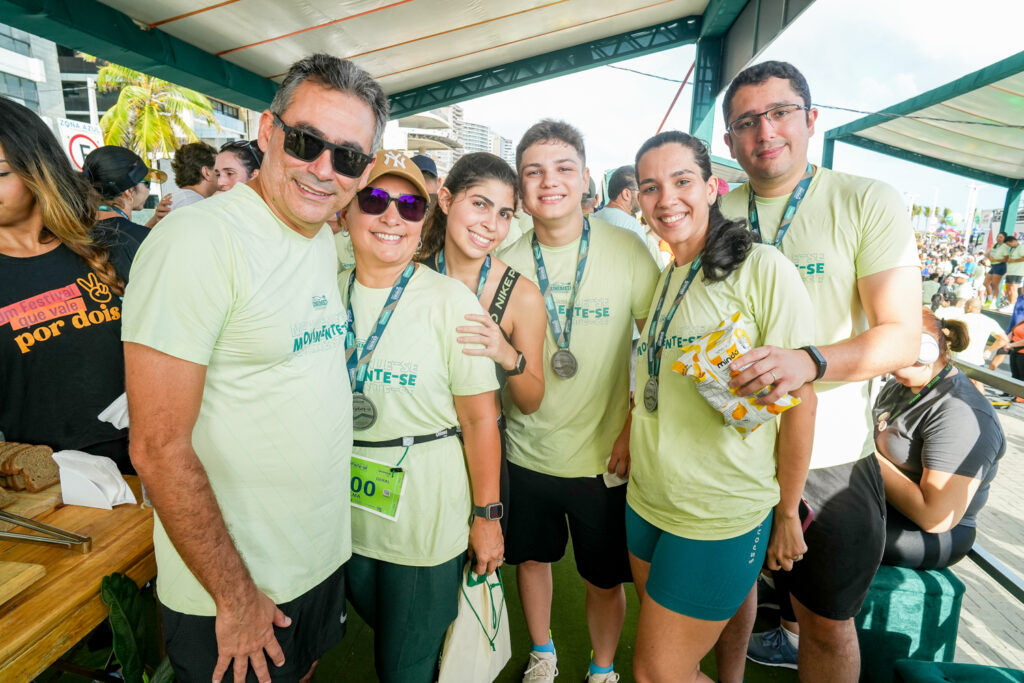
{"x":863,"y":54}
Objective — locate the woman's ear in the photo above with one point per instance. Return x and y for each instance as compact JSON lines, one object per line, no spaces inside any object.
{"x":444,"y":199}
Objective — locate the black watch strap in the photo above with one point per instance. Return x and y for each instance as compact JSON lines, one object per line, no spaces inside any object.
{"x":819,"y":360}
{"x":520,"y":365}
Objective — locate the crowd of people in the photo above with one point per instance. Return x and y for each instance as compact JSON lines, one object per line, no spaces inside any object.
{"x":346,"y":381}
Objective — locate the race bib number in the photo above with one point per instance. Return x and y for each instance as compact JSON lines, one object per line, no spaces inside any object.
{"x":376,"y":487}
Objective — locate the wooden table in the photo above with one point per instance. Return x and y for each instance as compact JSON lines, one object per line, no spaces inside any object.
{"x":50,"y":616}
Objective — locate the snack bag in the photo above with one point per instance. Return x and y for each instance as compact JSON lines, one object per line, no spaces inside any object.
{"x":707,"y":361}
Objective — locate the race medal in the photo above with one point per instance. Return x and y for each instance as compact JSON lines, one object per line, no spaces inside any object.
{"x":376,"y":487}
{"x":564,"y":364}
{"x":651,"y":395}
{"x":364,"y":412}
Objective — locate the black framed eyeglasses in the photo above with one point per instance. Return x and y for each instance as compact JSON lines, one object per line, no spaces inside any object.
{"x":374,"y":201}
{"x":307,"y":147}
{"x":775,"y":116}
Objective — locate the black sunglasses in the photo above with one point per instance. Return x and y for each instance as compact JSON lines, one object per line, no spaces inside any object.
{"x":307,"y":147}
{"x":243,"y":146}
{"x":374,"y":201}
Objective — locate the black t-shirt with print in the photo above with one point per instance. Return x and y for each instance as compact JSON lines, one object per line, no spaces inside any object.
{"x":61,"y":360}
{"x":108,"y":228}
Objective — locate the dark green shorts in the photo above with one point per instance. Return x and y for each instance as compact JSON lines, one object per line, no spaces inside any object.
{"x":409,"y":610}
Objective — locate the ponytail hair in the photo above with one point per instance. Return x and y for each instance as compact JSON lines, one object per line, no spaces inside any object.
{"x":950,"y":335}
{"x":468,"y":171}
{"x":727,"y":242}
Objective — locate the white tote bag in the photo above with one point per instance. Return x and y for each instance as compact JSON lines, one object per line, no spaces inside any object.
{"x":477,"y":645}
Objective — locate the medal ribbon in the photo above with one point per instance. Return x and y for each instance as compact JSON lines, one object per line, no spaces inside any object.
{"x":787,"y":217}
{"x":357,"y":367}
{"x":561,"y":335}
{"x":484,"y":270}
{"x":656,"y":343}
{"x":921,"y":394}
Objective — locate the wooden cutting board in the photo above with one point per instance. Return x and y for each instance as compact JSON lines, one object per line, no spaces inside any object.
{"x":16,"y":577}
{"x":32,"y":504}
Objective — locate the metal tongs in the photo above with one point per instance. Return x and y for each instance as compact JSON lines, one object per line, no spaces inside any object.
{"x":51,"y":535}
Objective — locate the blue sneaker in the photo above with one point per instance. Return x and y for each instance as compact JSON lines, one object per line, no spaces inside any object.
{"x":772,"y":648}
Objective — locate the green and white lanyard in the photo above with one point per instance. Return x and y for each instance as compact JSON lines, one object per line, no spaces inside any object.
{"x":364,"y":411}
{"x":108,"y":207}
{"x":787,"y":217}
{"x":484,"y":270}
{"x":656,"y":338}
{"x":885,"y":418}
{"x":563,"y":362}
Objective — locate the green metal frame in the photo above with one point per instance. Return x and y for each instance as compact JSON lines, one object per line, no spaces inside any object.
{"x":707,"y":76}
{"x":550,"y":65}
{"x":96,"y":29}
{"x":1011,"y":66}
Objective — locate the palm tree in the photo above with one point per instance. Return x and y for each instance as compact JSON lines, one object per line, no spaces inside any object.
{"x":148,"y":116}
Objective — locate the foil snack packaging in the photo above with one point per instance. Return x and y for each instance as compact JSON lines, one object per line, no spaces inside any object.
{"x":707,"y":362}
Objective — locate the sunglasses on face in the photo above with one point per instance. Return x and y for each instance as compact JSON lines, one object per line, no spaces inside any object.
{"x":307,"y":147}
{"x":242,"y":146}
{"x":374,"y":201}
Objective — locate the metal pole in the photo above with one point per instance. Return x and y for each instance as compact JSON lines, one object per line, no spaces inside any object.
{"x":94,"y":116}
{"x":678,"y":93}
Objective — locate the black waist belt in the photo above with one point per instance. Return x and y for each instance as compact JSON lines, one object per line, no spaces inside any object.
{"x":409,"y":440}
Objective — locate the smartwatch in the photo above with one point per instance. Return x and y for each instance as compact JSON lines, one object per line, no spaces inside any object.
{"x":520,"y":365}
{"x":819,"y":360}
{"x":491,"y":513}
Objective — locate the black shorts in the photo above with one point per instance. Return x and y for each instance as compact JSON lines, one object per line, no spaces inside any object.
{"x":318,"y":624}
{"x":1013,"y":279}
{"x":844,"y":542}
{"x":544,"y":510}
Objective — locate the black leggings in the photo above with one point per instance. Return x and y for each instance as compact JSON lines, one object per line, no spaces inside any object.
{"x":1017,"y":365}
{"x":906,"y":545}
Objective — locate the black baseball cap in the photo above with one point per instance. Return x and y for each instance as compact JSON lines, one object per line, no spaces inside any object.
{"x":112,"y":170}
{"x":425,"y":164}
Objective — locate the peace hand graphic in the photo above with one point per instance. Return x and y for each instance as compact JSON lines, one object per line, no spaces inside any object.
{"x":99,"y":292}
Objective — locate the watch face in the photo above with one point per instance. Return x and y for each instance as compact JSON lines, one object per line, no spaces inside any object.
{"x":495,"y":511}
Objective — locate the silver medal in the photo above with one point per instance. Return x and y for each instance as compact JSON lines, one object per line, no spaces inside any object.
{"x":364,"y":412}
{"x":564,"y":364}
{"x":651,"y":395}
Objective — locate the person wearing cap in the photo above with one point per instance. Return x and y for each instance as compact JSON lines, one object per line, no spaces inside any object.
{"x":420,"y":496}
{"x":1014,"y":270}
{"x":429,"y":170}
{"x":241,"y":412}
{"x":121,"y":178}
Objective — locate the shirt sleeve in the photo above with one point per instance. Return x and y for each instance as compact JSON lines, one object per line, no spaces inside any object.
{"x":181,"y":290}
{"x":467,"y":375}
{"x":954,"y":441}
{"x":887,"y":238}
{"x":645,"y":279}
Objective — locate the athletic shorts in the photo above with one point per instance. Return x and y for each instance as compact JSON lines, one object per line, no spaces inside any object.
{"x":544,"y":510}
{"x":701,"y":579}
{"x":844,"y":542}
{"x":318,"y":624}
{"x":997,"y":269}
{"x":1013,"y":279}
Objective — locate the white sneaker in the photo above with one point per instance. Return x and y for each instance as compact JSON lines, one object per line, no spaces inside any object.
{"x":610,"y":677}
{"x":542,"y":667}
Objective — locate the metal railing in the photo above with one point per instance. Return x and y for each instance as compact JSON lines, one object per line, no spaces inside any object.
{"x":986,"y":561}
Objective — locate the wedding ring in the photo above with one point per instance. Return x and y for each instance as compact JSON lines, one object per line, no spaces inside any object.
{"x":774,"y":378}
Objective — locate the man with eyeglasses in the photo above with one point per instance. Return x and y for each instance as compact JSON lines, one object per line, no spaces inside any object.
{"x":623,"y":202}
{"x":852,"y":242}
{"x":241,"y":410}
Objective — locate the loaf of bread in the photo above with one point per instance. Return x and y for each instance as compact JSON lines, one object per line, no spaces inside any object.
{"x":6,"y":498}
{"x":27,"y":467}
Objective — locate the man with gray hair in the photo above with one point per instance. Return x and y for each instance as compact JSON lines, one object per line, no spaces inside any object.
{"x":241,"y":420}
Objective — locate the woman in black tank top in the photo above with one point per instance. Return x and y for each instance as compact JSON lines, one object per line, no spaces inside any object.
{"x":471,"y":219}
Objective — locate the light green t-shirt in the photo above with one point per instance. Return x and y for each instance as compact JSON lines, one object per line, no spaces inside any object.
{"x":1018,"y":267}
{"x":343,"y":246}
{"x":846,"y":228}
{"x":415,"y":372}
{"x":225,"y":284}
{"x":999,"y":253}
{"x":520,"y":223}
{"x":572,"y":433}
{"x":692,"y":474}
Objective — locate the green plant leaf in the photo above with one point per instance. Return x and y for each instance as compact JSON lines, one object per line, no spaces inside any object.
{"x":164,"y":673}
{"x":121,"y":595}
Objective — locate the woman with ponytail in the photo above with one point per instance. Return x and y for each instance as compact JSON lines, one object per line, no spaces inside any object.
{"x":61,"y":360}
{"x":938,"y":442}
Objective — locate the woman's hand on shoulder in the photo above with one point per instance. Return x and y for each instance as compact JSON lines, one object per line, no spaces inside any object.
{"x":486,"y":339}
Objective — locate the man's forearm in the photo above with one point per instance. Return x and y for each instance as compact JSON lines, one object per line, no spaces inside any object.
{"x":881,"y":349}
{"x":181,"y":494}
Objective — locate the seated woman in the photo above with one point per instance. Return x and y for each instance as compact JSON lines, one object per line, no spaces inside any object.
{"x":472,"y":216}
{"x":239,"y":161}
{"x":420,"y":496}
{"x":938,"y":442}
{"x":61,"y":359}
{"x":702,"y":499}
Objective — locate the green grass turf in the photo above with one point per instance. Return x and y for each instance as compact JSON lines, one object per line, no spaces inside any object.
{"x":352,"y":659}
